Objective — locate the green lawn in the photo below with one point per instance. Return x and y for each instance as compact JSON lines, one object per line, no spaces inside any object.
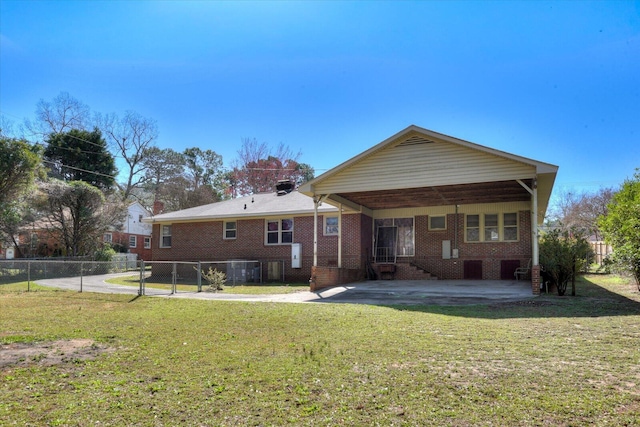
{"x":568,"y":361}
{"x":245,"y":289}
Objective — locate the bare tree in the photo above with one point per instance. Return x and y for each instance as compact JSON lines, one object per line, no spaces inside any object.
{"x":62,"y":114}
{"x":258,"y":168}
{"x":132,"y":136}
{"x":582,"y":210}
{"x":6,"y":127}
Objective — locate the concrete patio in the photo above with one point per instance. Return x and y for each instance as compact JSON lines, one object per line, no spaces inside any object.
{"x":375,"y":292}
{"x":440,"y":292}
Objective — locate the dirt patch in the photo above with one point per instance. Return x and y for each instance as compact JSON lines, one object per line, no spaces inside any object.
{"x":51,"y":353}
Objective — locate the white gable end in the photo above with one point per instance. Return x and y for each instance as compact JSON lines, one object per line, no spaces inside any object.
{"x":415,"y":161}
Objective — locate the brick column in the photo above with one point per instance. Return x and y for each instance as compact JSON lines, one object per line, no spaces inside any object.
{"x":535,"y":279}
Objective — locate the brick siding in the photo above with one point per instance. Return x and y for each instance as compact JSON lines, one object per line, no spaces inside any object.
{"x":203,"y":241}
{"x":428,"y":248}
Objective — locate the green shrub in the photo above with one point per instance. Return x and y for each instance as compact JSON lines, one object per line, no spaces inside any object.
{"x":105,"y":253}
{"x":215,"y":279}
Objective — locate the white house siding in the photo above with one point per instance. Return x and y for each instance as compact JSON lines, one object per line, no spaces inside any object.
{"x":132,"y":223}
{"x":419,"y":165}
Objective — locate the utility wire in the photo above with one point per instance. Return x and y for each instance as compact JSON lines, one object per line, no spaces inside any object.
{"x":78,"y":169}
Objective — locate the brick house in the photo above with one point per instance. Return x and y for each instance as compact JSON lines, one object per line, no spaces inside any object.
{"x":41,"y":238}
{"x":417,"y":205}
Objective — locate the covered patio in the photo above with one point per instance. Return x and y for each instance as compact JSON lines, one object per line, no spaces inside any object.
{"x":444,"y":206}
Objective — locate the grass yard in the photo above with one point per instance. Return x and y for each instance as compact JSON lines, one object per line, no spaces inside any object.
{"x":244,"y":289}
{"x":82,"y":359}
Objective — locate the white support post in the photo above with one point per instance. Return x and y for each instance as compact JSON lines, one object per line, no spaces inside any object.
{"x":316,"y":202}
{"x":534,"y":223}
{"x":534,"y":219}
{"x":340,"y":235}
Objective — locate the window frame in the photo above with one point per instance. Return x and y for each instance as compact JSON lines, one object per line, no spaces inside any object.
{"x":134,"y":239}
{"x":493,"y":227}
{"x":498,"y":226}
{"x":430,"y":228}
{"x":107,"y":239}
{"x":280,"y":231}
{"x":163,"y":236}
{"x":393,"y":222}
{"x":147,"y":242}
{"x":225,"y":230}
{"x":505,"y":226}
{"x":325,"y":226}
{"x":475,"y":227}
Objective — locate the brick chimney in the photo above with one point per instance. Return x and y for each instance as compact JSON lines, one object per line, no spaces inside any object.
{"x":158,"y":207}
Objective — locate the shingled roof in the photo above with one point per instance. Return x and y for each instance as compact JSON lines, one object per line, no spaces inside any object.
{"x":254,"y":206}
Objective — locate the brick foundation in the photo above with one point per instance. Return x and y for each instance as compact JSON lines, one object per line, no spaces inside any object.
{"x":326,"y":277}
{"x":535,"y":279}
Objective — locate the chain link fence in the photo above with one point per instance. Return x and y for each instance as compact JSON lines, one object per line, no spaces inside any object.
{"x":138,"y":277}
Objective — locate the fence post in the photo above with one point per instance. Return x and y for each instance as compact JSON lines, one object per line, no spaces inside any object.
{"x":173,"y":279}
{"x":28,"y":276}
{"x":141,"y":290}
{"x":199,"y":276}
{"x":81,"y":265}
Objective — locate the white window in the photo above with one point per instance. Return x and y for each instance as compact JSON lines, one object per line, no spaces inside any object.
{"x":147,"y":242}
{"x":230,"y":229}
{"x":107,"y":238}
{"x":165,"y":236}
{"x":510,"y":226}
{"x":331,"y":226}
{"x":279,"y":231}
{"x":491,"y":227}
{"x":437,"y":222}
{"x":472,"y":232}
{"x":133,"y":241}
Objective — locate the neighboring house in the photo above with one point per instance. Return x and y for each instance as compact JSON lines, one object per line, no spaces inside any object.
{"x":418,"y":205}
{"x":134,"y":235}
{"x":36,"y":240}
{"x":39,"y":239}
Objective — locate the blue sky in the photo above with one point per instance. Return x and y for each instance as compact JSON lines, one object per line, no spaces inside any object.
{"x":554,"y":81}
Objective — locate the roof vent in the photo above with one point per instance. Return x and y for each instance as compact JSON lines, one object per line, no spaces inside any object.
{"x":415,"y":140}
{"x":284,"y":186}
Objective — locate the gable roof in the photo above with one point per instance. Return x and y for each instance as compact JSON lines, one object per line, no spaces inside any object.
{"x":418,"y":158}
{"x":255,"y":206}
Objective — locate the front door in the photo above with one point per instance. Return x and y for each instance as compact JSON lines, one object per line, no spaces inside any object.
{"x":386,"y":244}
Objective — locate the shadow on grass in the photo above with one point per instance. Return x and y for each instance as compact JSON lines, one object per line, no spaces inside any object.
{"x":592,"y":300}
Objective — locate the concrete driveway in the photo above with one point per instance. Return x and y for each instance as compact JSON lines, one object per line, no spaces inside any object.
{"x":374,"y":292}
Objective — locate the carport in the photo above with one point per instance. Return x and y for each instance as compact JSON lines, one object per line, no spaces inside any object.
{"x":433,"y":206}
